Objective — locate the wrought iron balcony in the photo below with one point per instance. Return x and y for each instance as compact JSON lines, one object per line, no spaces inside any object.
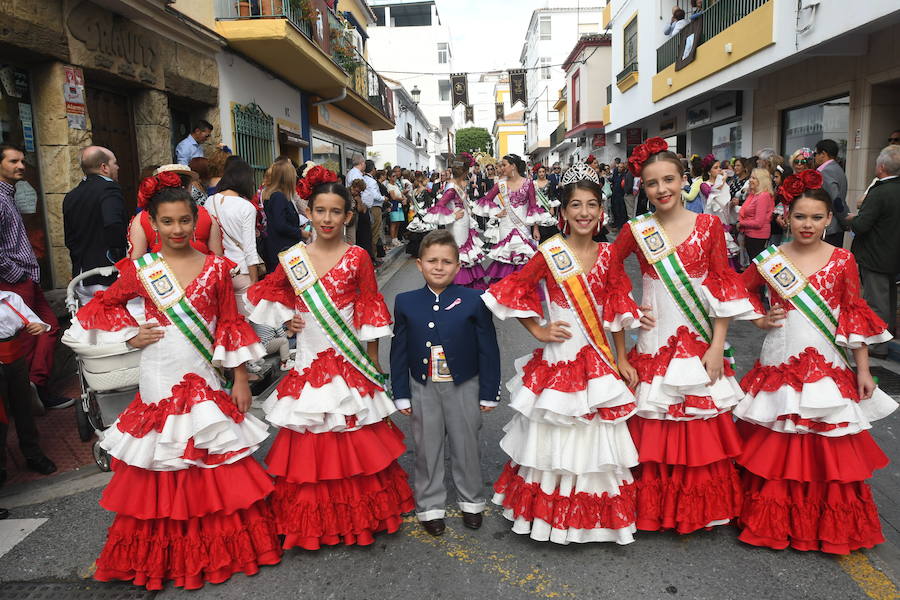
{"x":630,"y":68}
{"x":266,"y":9}
{"x":718,"y":16}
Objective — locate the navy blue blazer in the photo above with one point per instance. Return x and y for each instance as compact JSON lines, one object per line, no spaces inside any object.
{"x":461,"y":323}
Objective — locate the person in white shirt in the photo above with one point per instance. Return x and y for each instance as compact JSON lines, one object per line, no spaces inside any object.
{"x":233,"y":208}
{"x":191,"y":146}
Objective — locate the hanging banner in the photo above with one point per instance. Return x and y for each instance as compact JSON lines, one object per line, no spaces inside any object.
{"x":470,"y":114}
{"x":688,"y":40}
{"x":460,"y":87}
{"x":518,"y":91}
{"x":499,"y":113}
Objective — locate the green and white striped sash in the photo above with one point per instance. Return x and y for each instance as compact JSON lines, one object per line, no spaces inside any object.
{"x":790,"y":283}
{"x":162,"y":286}
{"x":299,"y":270}
{"x":651,"y":238}
{"x":542,"y":198}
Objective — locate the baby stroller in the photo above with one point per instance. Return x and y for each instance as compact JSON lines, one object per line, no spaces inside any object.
{"x":109,"y":376}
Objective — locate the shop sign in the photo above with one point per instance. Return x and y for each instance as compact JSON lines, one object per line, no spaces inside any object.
{"x":114,"y":44}
{"x":599,"y":140}
{"x":73,"y":94}
{"x":27,"y":118}
{"x":334,"y":119}
{"x":699,"y":114}
{"x":634,"y":136}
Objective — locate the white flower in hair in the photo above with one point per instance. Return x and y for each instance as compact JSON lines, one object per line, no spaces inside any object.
{"x":578,"y":172}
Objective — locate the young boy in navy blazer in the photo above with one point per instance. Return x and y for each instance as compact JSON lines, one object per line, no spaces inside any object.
{"x":445,"y":372}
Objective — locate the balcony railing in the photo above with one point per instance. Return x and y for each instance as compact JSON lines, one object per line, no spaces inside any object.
{"x":363,"y":78}
{"x":628,"y":70}
{"x":609,"y":94}
{"x":719,"y":15}
{"x":264,"y":9}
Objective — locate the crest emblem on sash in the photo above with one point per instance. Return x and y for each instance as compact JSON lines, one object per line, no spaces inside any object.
{"x":300,"y":270}
{"x":562,"y":260}
{"x":161,"y":283}
{"x":653,"y":239}
{"x":783,"y":276}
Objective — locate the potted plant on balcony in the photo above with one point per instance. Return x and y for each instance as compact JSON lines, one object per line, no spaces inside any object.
{"x":243,"y":8}
{"x":304,"y":10}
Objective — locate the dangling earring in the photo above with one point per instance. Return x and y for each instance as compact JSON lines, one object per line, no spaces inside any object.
{"x":599,"y":226}
{"x":563,"y":224}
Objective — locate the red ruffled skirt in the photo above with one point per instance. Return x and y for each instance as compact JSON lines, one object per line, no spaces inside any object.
{"x":191,"y":526}
{"x":808,"y":491}
{"x":686,"y":479}
{"x":338,"y":487}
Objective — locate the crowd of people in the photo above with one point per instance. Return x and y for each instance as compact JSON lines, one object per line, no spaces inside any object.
{"x":215,"y":271}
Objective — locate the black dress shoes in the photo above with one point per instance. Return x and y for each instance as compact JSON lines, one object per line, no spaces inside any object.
{"x":472,"y":520}
{"x":41,"y":464}
{"x":434,"y":527}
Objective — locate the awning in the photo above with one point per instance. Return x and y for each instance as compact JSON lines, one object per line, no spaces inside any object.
{"x":289,"y":137}
{"x":587,"y":128}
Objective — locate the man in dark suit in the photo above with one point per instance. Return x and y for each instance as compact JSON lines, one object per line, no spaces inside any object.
{"x":445,"y":372}
{"x":876,"y":245}
{"x":834,"y":181}
{"x":94,"y":219}
{"x":621,"y":183}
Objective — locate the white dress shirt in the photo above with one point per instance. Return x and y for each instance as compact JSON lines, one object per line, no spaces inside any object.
{"x":237,"y":219}
{"x":15,"y":314}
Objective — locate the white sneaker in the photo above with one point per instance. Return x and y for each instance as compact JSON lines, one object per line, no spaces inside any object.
{"x":287,"y":365}
{"x":254,"y":367}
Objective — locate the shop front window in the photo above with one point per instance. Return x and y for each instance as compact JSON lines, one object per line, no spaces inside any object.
{"x":726,"y":141}
{"x":17,"y":128}
{"x":803,"y":126}
{"x":327,"y":154}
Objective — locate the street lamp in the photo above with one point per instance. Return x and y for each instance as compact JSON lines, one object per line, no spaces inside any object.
{"x":416,"y":93}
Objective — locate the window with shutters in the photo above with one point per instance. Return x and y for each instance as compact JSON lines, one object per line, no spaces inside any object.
{"x":254,"y":137}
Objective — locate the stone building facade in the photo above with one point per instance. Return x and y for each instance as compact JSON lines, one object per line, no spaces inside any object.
{"x":131,"y":75}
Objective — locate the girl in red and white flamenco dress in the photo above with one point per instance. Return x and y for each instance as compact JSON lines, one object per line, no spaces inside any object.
{"x":806,"y":417}
{"x":515,"y":213}
{"x":334,"y":459}
{"x":686,"y":389}
{"x":452,"y":211}
{"x":568,"y":477}
{"x":190,"y":500}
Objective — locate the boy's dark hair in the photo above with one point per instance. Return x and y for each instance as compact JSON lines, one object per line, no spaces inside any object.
{"x":827,"y":146}
{"x":238,"y":177}
{"x":438,"y":237}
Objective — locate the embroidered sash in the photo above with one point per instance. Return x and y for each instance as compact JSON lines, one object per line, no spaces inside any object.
{"x":651,"y":238}
{"x":299,"y":270}
{"x":542,"y":198}
{"x":790,"y":283}
{"x":162,"y":286}
{"x":518,"y":223}
{"x":571,"y":277}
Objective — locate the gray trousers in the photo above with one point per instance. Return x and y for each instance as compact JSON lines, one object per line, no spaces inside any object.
{"x":440,"y":409}
{"x":880,"y":293}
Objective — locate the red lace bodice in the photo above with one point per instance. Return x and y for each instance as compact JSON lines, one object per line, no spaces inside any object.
{"x":838,"y":284}
{"x":350,"y":281}
{"x":606,"y":278}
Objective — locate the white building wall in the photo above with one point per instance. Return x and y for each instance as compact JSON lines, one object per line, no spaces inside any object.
{"x":393,"y":146}
{"x":241,"y":82}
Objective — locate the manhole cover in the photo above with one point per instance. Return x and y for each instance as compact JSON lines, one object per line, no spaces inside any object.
{"x":72,"y":591}
{"x":888,"y":381}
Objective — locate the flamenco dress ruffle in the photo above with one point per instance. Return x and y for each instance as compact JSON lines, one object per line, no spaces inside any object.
{"x":807,"y":447}
{"x":568,"y":477}
{"x":334,"y":458}
{"x":683,"y":428}
{"x":190,"y":501}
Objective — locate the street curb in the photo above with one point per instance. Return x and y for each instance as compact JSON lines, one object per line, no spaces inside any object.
{"x":385,"y":272}
{"x":38,"y":491}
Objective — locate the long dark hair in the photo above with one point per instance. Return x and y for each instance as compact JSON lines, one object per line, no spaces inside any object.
{"x":516,"y":160}
{"x":814,"y":194}
{"x":239,"y":177}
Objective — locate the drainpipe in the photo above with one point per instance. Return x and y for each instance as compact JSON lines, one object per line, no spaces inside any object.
{"x":337,"y":98}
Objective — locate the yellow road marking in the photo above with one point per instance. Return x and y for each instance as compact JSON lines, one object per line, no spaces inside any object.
{"x":873,"y":582}
{"x":468,"y":550}
{"x":89,"y":571}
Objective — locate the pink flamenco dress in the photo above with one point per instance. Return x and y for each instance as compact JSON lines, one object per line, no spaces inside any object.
{"x":568,"y":478}
{"x":807,"y":447}
{"x":334,"y":459}
{"x":510,"y":235}
{"x":443,"y":213}
{"x":683,"y":428}
{"x":190,"y":500}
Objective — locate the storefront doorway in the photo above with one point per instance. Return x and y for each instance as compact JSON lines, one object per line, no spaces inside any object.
{"x":112,"y":126}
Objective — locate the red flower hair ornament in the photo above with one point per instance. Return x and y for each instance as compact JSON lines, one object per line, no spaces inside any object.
{"x":151,"y":185}
{"x":794,"y":185}
{"x":644,"y":151}
{"x":312,"y":177}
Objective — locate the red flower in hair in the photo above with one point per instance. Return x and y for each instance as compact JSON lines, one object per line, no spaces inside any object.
{"x":169,"y":179}
{"x":656,"y":144}
{"x":792,"y":187}
{"x":148,"y":187}
{"x":811,"y":178}
{"x":637,"y":159}
{"x":319,"y":174}
{"x":590,"y":159}
{"x":304,"y":189}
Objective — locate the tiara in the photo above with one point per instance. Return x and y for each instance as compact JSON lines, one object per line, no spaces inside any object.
{"x":579,"y":172}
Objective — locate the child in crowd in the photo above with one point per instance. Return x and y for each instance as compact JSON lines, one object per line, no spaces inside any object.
{"x":16,"y":317}
{"x":445,"y":369}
